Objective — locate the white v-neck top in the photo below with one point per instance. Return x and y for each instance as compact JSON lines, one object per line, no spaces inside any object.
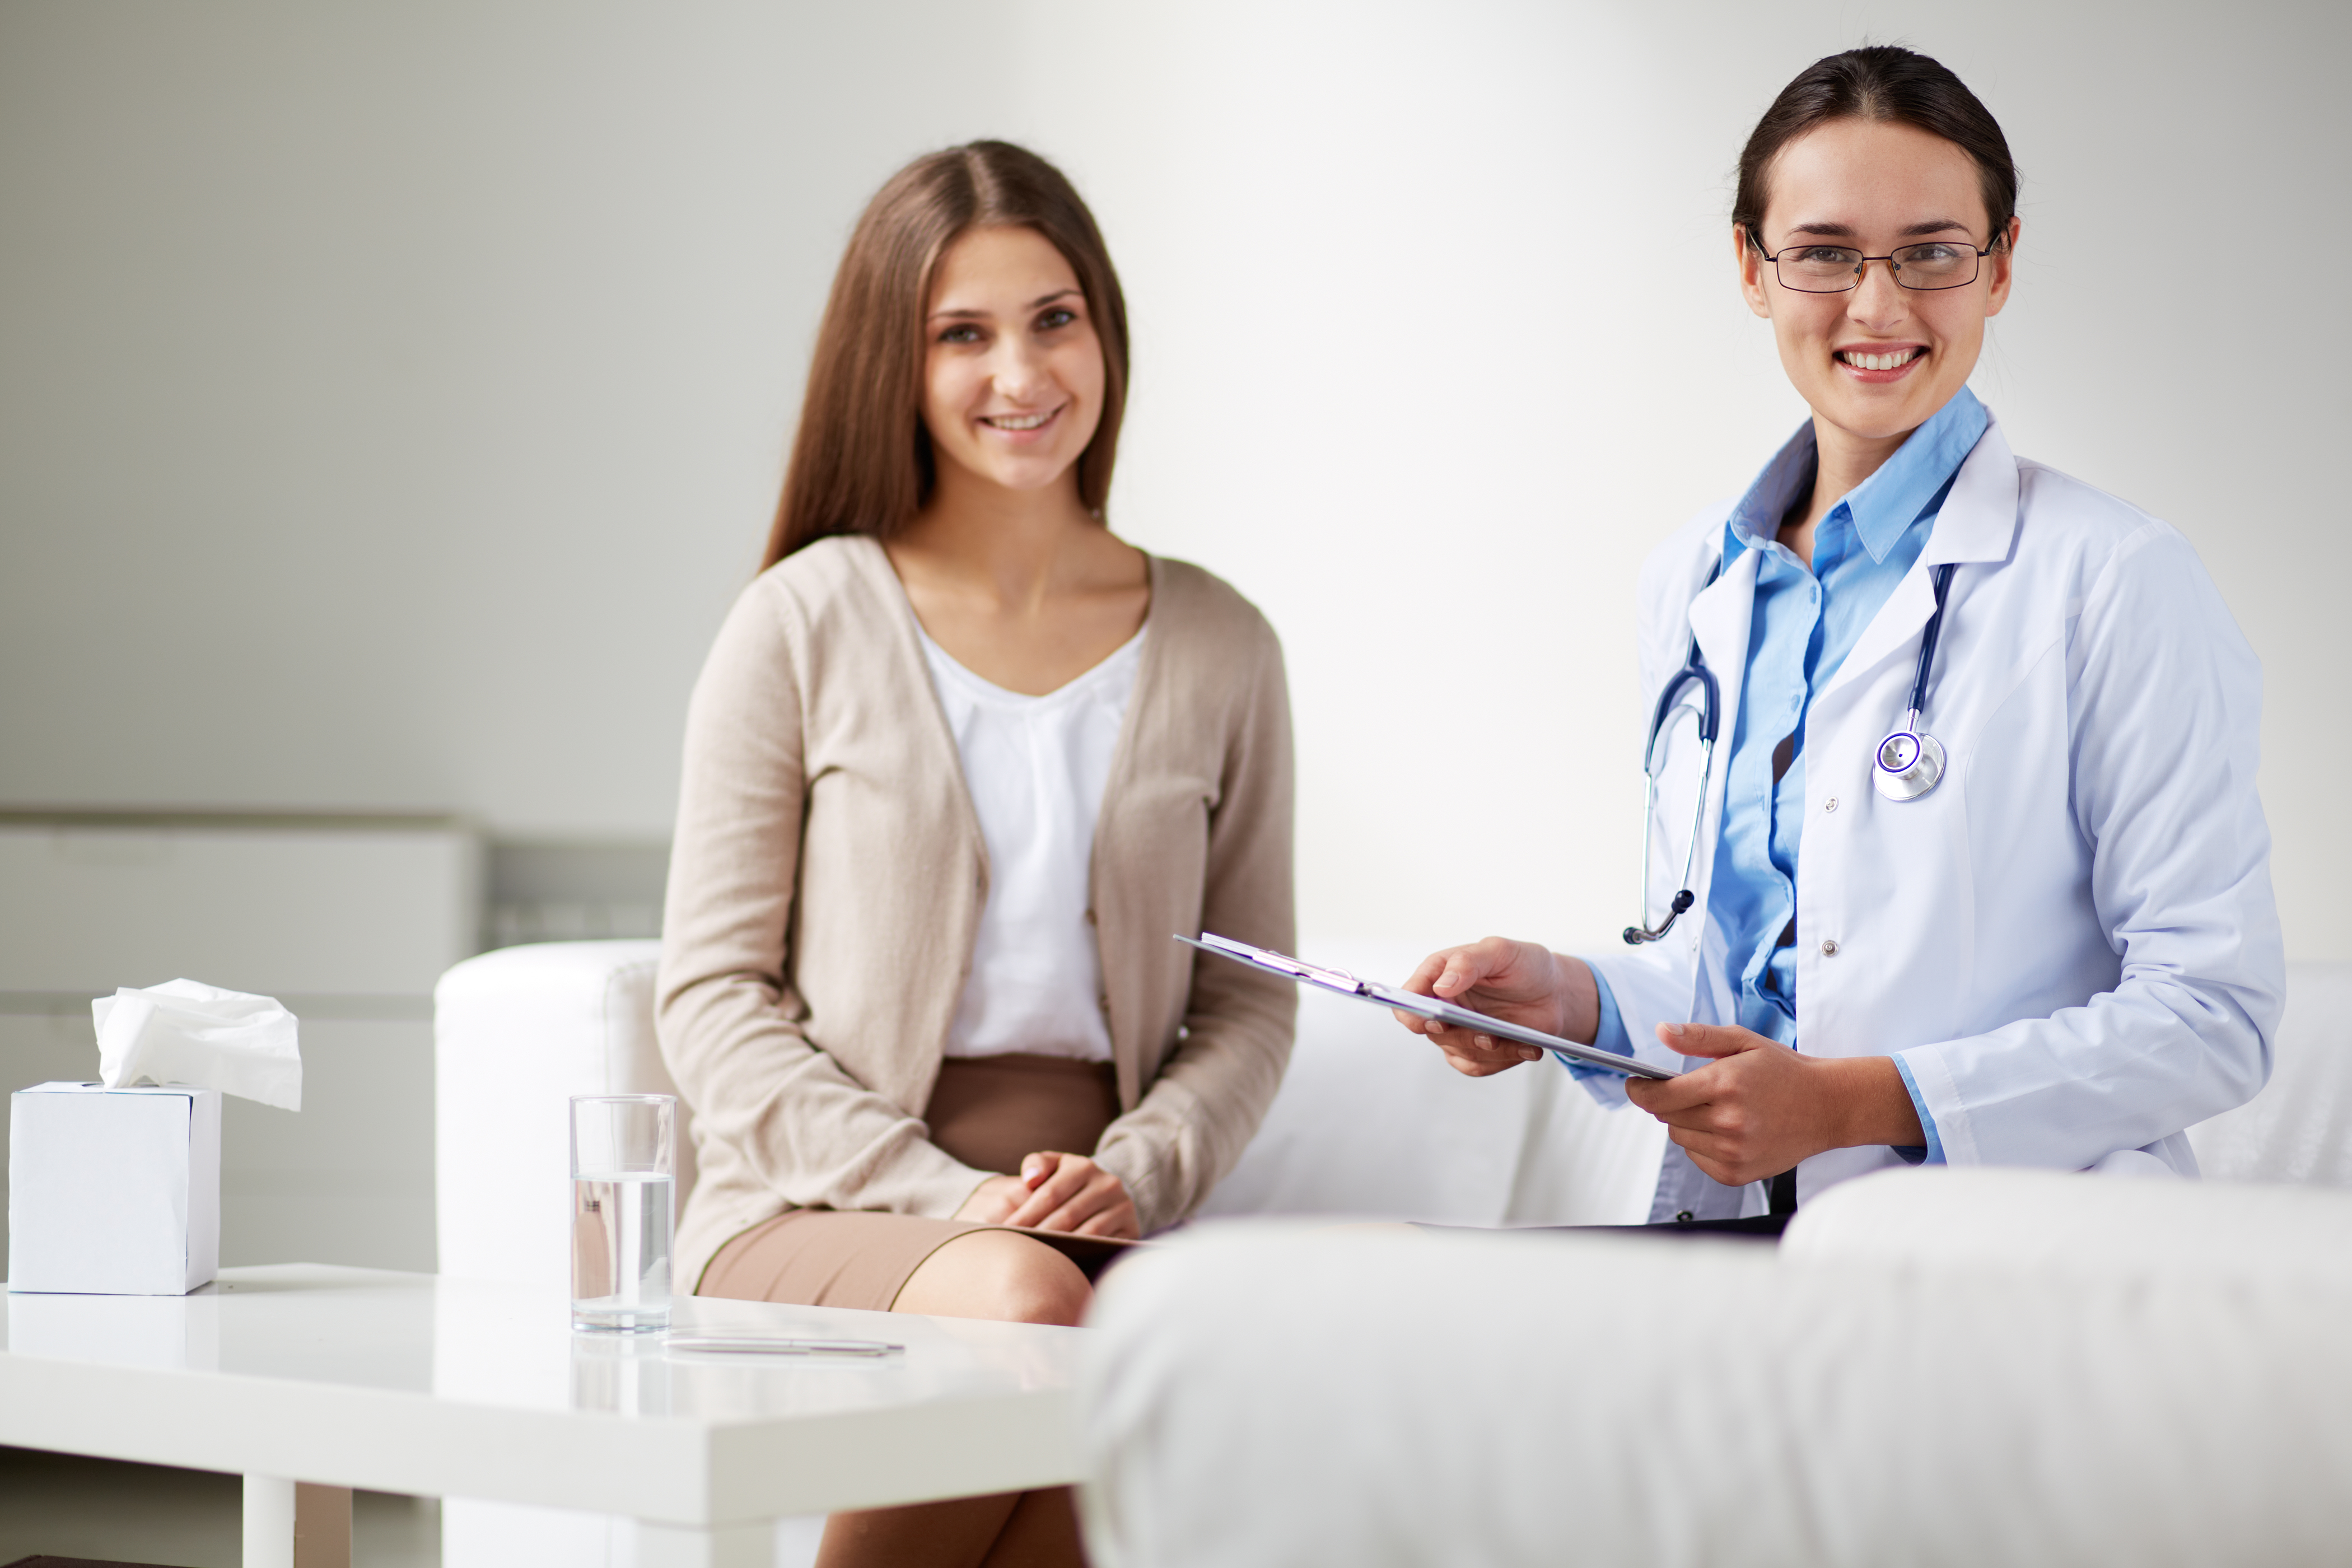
{"x":1036,"y":767}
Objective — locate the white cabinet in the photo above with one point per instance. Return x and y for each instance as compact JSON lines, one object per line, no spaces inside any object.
{"x":347,"y":919}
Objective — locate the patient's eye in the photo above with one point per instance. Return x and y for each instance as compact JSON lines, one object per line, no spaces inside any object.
{"x":1059,"y":316}
{"x":961,"y":332}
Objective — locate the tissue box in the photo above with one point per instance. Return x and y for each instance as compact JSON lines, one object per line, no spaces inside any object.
{"x":113,"y":1191}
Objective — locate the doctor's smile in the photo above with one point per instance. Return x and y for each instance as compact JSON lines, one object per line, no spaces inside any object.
{"x":1878,"y":366}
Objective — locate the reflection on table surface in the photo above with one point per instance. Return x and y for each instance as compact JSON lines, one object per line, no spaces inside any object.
{"x":476,"y":1342}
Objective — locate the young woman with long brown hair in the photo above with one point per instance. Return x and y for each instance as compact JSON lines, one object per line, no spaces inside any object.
{"x":960,"y":763}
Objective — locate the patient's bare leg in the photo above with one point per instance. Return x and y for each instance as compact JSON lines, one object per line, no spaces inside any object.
{"x":996,"y":1274}
{"x":984,"y":1274}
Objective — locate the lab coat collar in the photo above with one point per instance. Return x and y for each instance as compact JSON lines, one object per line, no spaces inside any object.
{"x":1719,"y":619}
{"x":1979,"y":522}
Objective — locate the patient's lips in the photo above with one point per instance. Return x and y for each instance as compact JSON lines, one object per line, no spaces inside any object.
{"x":1025,"y":426}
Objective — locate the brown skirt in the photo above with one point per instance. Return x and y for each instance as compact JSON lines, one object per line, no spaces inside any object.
{"x":989,"y":1112}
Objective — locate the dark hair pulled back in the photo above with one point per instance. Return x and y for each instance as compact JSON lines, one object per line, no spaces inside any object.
{"x":1888,"y":85}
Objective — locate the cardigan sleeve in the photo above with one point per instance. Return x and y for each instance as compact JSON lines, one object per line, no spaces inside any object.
{"x":731,"y":1029}
{"x":1193,"y":1124}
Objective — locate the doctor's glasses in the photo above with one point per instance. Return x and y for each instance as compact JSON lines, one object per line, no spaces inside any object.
{"x":1838,"y":268}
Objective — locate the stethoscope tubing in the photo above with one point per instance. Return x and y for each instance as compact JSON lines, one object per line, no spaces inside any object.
{"x":1927,"y":639}
{"x":1910,"y":781}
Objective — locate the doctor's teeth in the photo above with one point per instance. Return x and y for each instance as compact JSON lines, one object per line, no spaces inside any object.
{"x":1879,"y":361}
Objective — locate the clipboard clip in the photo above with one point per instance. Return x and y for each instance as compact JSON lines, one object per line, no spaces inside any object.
{"x":1314,"y":974}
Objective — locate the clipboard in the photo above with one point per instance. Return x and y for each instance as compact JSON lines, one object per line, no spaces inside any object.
{"x":1419,"y":1007}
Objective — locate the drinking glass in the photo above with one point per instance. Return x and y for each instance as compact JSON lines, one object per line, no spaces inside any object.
{"x":624,"y":1167}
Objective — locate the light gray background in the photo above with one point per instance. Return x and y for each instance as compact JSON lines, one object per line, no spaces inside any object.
{"x":391,"y":396}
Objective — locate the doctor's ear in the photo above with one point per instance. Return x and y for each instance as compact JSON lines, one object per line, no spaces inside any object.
{"x":1752,"y":265}
{"x":2003,"y":264}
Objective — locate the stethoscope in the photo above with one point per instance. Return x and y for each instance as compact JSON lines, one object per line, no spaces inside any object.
{"x":1908,"y":764}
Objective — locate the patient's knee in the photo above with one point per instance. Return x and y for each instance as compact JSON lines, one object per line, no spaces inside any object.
{"x":996,"y":1274}
{"x":1043,"y":1287}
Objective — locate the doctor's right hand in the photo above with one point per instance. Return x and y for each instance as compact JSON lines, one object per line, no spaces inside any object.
{"x":1519,"y":982}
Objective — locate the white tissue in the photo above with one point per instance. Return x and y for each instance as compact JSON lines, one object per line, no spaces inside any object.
{"x":186,"y":1032}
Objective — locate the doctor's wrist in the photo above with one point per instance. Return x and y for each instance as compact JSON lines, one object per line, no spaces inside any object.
{"x":1579,"y":997}
{"x":1875,"y":1109}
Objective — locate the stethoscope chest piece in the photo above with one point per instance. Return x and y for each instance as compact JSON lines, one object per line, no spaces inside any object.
{"x":1909,"y":763}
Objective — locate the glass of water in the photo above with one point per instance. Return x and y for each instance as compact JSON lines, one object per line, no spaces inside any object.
{"x":622,"y":1165}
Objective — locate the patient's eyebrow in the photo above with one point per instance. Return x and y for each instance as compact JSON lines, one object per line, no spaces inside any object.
{"x":973,"y":313}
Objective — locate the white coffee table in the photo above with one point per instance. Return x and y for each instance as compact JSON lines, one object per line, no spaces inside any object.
{"x":405,"y":1383}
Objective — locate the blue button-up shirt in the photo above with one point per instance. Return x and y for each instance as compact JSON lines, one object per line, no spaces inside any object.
{"x":1804,"y":623}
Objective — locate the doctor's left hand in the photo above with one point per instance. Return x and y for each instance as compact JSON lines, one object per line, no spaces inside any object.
{"x":1759,"y":1107}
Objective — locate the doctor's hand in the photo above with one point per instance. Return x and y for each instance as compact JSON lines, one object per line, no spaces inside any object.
{"x":1519,"y":981}
{"x":1759,"y":1107}
{"x":1056,"y":1192}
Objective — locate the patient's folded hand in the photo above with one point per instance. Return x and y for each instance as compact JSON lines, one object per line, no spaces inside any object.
{"x":1056,"y":1192}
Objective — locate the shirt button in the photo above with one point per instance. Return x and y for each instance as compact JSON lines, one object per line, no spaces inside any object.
{"x":1830,"y":805}
{"x":1829,"y":947}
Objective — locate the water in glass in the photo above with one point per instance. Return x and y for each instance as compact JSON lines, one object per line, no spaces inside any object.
{"x":620,"y":1250}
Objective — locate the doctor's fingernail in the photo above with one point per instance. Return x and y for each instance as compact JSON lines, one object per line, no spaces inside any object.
{"x":1674,"y":1029}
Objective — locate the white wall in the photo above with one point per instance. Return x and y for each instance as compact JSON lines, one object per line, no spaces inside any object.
{"x":391,"y":396}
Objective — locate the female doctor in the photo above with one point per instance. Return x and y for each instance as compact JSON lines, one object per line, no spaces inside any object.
{"x":1974,"y":870}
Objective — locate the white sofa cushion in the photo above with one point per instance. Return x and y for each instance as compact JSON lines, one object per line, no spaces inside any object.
{"x":2299,"y":1128}
{"x":1371,"y":1123}
{"x":2059,"y":1225}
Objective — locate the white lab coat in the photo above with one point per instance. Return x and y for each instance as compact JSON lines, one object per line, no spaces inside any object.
{"x":2071,"y":942}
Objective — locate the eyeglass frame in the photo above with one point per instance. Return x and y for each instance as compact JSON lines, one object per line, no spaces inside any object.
{"x":1894,"y":268}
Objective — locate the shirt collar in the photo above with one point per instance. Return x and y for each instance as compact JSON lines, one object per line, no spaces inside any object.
{"x":1883,"y":506}
{"x":1756,"y":520}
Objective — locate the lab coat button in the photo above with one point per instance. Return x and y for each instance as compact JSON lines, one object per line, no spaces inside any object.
{"x":1830,"y":805}
{"x":1829,"y":947}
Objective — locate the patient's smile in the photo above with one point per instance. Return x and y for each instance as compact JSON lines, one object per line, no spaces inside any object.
{"x":1017,"y":422}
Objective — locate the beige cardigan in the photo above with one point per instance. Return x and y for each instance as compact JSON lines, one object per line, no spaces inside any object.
{"x":826,"y":882}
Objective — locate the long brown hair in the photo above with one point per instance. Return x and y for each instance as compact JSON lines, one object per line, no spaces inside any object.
{"x":861,"y":460}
